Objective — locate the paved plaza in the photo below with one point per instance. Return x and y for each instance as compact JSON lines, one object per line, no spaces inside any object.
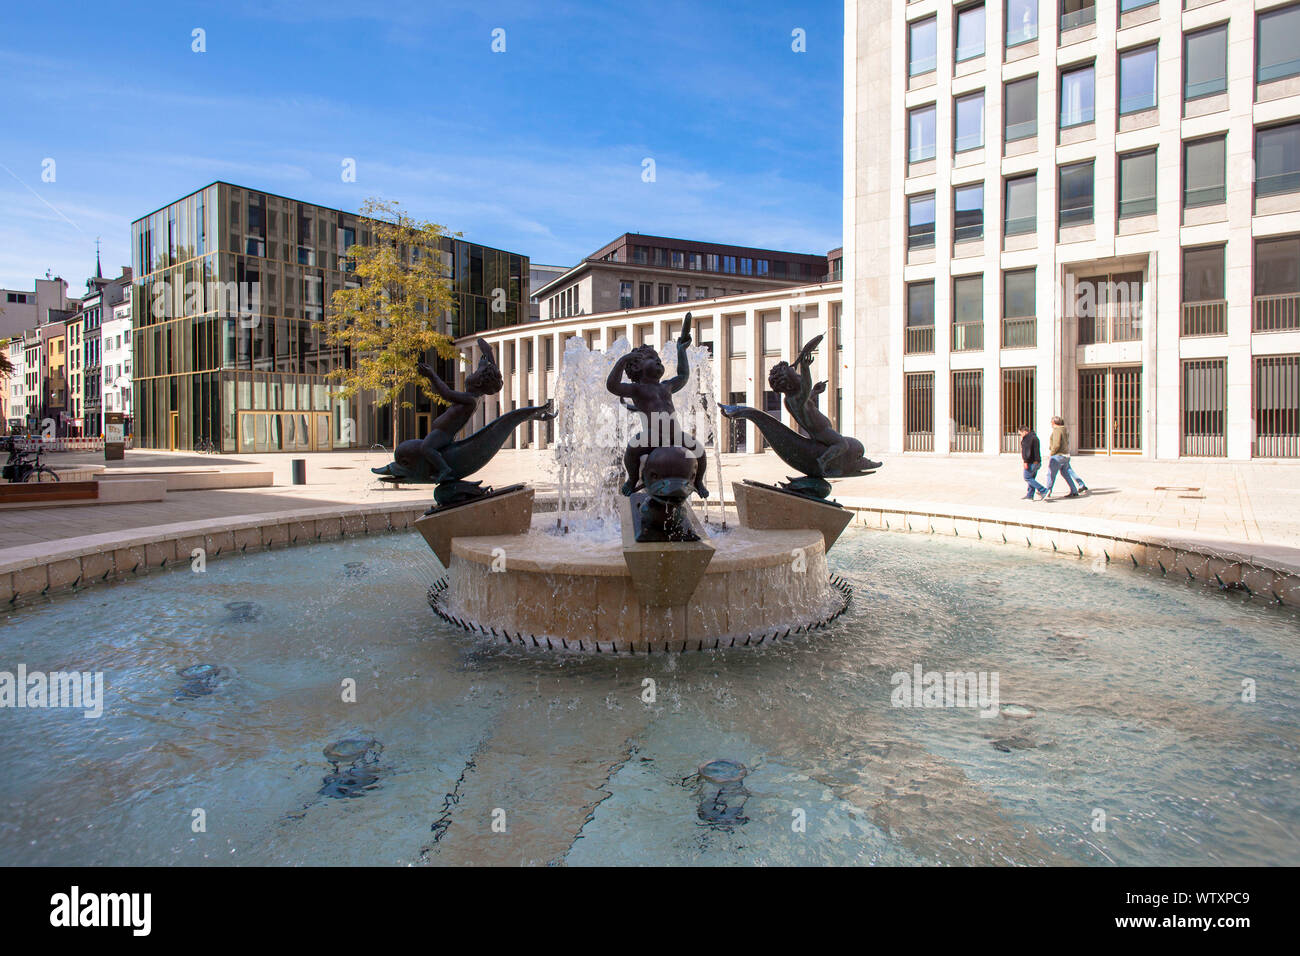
{"x":1251,"y":503}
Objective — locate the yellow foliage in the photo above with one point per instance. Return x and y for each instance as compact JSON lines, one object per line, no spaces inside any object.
{"x":390,"y":320}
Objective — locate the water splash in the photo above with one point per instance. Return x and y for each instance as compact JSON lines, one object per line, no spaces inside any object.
{"x":594,"y":427}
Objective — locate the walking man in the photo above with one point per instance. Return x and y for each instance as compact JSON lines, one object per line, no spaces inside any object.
{"x":1032,"y":458}
{"x":1059,"y":448}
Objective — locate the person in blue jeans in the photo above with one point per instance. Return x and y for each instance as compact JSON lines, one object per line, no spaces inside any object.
{"x":1031,"y":457}
{"x":1059,"y":463}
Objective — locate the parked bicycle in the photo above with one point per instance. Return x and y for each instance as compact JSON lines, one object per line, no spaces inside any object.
{"x":205,"y":447}
{"x":22,"y":466}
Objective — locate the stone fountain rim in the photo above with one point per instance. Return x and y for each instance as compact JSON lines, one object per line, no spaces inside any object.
{"x":776,"y":551}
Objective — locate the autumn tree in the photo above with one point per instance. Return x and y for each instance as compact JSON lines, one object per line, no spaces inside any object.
{"x":390,"y":320}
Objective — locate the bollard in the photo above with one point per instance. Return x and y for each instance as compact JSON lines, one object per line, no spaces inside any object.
{"x":299,"y":466}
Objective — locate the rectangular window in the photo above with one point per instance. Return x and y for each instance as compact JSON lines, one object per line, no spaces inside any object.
{"x":1077,"y":97}
{"x":646,"y":292}
{"x":967,"y":313}
{"x":1137,"y":80}
{"x":1277,"y":44}
{"x":1205,"y":309}
{"x":1276,"y":406}
{"x":1204,"y":169}
{"x":762,"y":267}
{"x":683,"y":293}
{"x":968,"y":122}
{"x":746,"y":267}
{"x":968,"y":212}
{"x":967,"y":411}
{"x":1021,"y":205}
{"x":1277,"y":284}
{"x":919,"y":423}
{"x":1126,"y":5}
{"x":919,"y":336}
{"x":970,"y":33}
{"x":1075,"y":188}
{"x":665,"y":293}
{"x":920,"y":304}
{"x":625,"y":295}
{"x":921,"y":134}
{"x":922,"y":46}
{"x":1019,"y":321}
{"x":1205,"y":62}
{"x":1137,"y":184}
{"x":1205,"y":406}
{"x":1021,"y":109}
{"x":1022,"y":21}
{"x":1077,"y":13}
{"x":920,"y":221}
{"x":1277,"y":160}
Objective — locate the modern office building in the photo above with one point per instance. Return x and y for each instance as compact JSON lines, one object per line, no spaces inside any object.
{"x":636,"y":271}
{"x":231,"y":287}
{"x":1074,"y":207}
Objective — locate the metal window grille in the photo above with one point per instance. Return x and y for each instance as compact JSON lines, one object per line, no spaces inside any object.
{"x":1018,"y":405}
{"x":1205,"y":407}
{"x":919,"y":388}
{"x":967,"y":411}
{"x":1276,"y":406}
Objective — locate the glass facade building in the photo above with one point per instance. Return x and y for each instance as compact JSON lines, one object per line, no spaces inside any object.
{"x":232,"y":285}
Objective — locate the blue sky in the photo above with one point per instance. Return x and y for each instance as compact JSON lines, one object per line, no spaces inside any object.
{"x":538,"y":149}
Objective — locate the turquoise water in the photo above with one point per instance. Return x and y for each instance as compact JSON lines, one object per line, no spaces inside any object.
{"x":490,"y":754}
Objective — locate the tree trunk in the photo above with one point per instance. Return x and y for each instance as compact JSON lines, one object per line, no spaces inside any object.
{"x":395,"y":410}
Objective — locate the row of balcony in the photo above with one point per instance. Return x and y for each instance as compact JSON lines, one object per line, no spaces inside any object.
{"x":1272,"y":313}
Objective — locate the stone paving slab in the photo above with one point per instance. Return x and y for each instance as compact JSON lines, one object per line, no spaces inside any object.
{"x":1242,"y":503}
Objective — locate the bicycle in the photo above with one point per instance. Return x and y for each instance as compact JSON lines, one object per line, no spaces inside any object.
{"x":22,"y":468}
{"x":205,"y":447}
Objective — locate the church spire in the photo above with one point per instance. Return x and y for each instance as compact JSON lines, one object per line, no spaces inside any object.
{"x":99,"y":271}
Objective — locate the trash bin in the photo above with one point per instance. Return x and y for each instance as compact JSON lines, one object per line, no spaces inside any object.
{"x":299,"y":471}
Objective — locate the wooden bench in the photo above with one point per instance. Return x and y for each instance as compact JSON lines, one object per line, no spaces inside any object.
{"x":31,"y":491}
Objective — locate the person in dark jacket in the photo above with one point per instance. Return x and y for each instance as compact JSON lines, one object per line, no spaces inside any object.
{"x":1032,"y":458}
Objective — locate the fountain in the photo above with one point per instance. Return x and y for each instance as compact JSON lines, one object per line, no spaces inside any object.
{"x":626,"y":564}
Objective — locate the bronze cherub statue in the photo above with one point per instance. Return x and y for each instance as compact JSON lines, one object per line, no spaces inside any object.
{"x":821,"y":452}
{"x":652,"y":400}
{"x":438,"y":457}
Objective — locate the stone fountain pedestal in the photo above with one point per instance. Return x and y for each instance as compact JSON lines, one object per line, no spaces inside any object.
{"x":567,"y":592}
{"x":508,"y":511}
{"x":768,"y":508}
{"x":665,"y":573}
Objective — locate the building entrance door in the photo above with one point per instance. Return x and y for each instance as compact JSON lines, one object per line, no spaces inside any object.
{"x":1110,"y":410}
